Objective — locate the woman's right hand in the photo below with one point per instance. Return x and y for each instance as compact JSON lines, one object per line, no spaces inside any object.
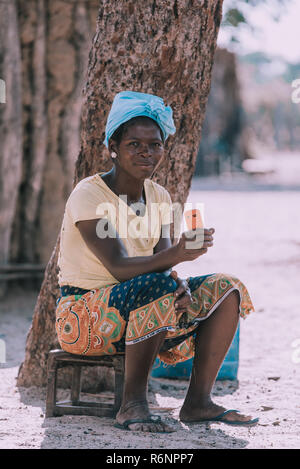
{"x":185,"y":250}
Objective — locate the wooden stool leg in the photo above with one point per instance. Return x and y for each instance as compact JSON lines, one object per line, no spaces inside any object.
{"x":75,"y":389}
{"x":119,"y":383}
{"x":51,"y":386}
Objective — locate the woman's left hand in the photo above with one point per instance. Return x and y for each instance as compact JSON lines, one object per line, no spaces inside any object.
{"x":182,"y":293}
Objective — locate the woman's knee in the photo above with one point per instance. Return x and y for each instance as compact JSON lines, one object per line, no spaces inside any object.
{"x":235,"y":296}
{"x":224,"y":280}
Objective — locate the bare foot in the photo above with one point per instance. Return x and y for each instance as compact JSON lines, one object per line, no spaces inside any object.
{"x":209,"y":411}
{"x":140,"y":410}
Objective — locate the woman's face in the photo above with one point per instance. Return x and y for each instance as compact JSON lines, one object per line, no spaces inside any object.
{"x":140,"y":151}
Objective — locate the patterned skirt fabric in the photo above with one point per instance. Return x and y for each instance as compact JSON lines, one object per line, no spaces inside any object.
{"x":104,"y":320}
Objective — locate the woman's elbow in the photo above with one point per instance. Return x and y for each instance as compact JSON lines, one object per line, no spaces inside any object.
{"x":118,"y":272}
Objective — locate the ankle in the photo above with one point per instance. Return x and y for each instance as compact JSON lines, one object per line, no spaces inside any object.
{"x":129,"y":404}
{"x":197,"y":402}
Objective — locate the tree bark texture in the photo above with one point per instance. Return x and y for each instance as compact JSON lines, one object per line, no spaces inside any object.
{"x":55,"y":40}
{"x":163,"y":47}
{"x":10,"y":123}
{"x":160,"y":47}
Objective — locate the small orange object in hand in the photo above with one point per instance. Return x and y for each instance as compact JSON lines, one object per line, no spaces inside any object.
{"x":193,"y":219}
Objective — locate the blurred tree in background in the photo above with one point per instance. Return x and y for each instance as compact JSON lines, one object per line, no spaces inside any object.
{"x":249,"y":109}
{"x":235,"y":14}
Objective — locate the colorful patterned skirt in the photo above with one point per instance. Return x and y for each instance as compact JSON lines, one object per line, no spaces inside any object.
{"x":102,"y":321}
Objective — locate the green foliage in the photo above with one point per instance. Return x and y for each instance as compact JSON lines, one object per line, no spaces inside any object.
{"x":235,"y":11}
{"x":233,"y":17}
{"x":292,"y":72}
{"x":256,"y":58}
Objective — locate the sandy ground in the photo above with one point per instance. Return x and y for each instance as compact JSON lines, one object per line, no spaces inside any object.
{"x":257,"y":239}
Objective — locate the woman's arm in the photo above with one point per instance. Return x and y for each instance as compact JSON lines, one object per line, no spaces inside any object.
{"x":113,"y":254}
{"x":163,"y":243}
{"x":183,"y":293}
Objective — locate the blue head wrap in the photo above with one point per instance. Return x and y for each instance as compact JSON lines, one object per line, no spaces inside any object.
{"x":129,"y":104}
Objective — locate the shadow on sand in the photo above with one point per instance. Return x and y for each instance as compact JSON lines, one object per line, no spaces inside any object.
{"x":165,"y":398}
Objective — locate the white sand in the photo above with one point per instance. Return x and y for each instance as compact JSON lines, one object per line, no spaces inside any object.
{"x":257,"y":239}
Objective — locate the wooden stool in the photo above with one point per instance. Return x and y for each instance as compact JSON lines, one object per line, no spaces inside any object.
{"x":58,"y":359}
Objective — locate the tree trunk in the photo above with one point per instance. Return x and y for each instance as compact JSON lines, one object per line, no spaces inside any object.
{"x":55,"y":39}
{"x":161,"y":47}
{"x":10,"y":123}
